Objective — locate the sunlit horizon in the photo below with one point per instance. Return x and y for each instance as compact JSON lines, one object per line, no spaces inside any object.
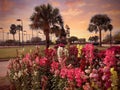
{"x":75,"y":13}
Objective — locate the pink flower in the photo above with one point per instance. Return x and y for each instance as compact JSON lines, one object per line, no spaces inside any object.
{"x":56,"y":72}
{"x":43,"y":61}
{"x":110,"y":59}
{"x":63,"y":72}
{"x":79,"y":76}
{"x":89,"y":52}
{"x":54,"y":65}
{"x":79,"y":82}
{"x":87,"y":86}
{"x":37,"y":60}
{"x":70,"y":74}
{"x":27,"y":56}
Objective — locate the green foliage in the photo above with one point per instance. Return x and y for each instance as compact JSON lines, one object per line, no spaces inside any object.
{"x":58,"y":83}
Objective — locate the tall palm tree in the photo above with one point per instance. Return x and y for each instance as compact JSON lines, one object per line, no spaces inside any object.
{"x":44,"y":17}
{"x":98,"y":23}
{"x":110,"y":27}
{"x":19,"y":28}
{"x":13,"y":30}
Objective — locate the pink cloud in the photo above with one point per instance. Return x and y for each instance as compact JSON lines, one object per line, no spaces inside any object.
{"x":106,"y":6}
{"x":6,"y":5}
{"x":74,"y":3}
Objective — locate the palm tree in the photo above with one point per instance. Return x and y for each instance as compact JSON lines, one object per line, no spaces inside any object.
{"x":56,"y":30}
{"x":13,"y":30}
{"x":19,"y":28}
{"x":98,"y":23}
{"x":110,"y":27}
{"x":45,"y":17}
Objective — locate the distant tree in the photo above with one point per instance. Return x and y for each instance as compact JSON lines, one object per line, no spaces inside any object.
{"x":98,"y":23}
{"x":73,"y":39}
{"x":106,"y":39}
{"x":90,"y":39}
{"x":93,"y":38}
{"x":13,"y":30}
{"x":36,"y":39}
{"x":45,"y":17}
{"x":117,"y":36}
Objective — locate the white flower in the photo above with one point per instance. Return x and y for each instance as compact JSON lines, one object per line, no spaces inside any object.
{"x":35,"y":73}
{"x":60,"y":52}
{"x":66,"y":52}
{"x":19,"y":74}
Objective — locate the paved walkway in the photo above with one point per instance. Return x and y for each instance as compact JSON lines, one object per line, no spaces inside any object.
{"x":3,"y":68}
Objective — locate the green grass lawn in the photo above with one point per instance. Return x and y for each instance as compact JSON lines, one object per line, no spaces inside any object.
{"x":7,"y":53}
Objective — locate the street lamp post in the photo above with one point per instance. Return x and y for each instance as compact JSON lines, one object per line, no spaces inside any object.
{"x":21,"y":28}
{"x":26,"y":34}
{"x":3,"y":33}
{"x":7,"y":35}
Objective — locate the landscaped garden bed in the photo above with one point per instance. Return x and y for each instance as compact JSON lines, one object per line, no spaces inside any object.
{"x":66,"y":68}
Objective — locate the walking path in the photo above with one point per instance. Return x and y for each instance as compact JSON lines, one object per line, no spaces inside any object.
{"x":3,"y":68}
{"x":4,"y":82}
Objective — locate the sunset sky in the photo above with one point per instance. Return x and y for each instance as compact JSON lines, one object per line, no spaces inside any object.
{"x":76,"y":14}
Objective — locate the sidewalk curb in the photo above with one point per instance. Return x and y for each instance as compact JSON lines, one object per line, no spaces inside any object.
{"x":4,"y":60}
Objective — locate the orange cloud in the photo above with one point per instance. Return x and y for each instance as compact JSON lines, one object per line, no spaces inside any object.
{"x":113,"y":12}
{"x":55,"y":3}
{"x":71,"y":12}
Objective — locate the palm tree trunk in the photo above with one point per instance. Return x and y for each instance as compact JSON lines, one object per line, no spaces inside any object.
{"x":47,"y":39}
{"x":19,"y":37}
{"x":110,"y":38}
{"x":100,"y":35}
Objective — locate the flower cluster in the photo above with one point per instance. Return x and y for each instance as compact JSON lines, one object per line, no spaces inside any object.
{"x":73,"y":68}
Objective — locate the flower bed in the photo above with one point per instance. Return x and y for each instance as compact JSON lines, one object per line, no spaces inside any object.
{"x":71,"y":68}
